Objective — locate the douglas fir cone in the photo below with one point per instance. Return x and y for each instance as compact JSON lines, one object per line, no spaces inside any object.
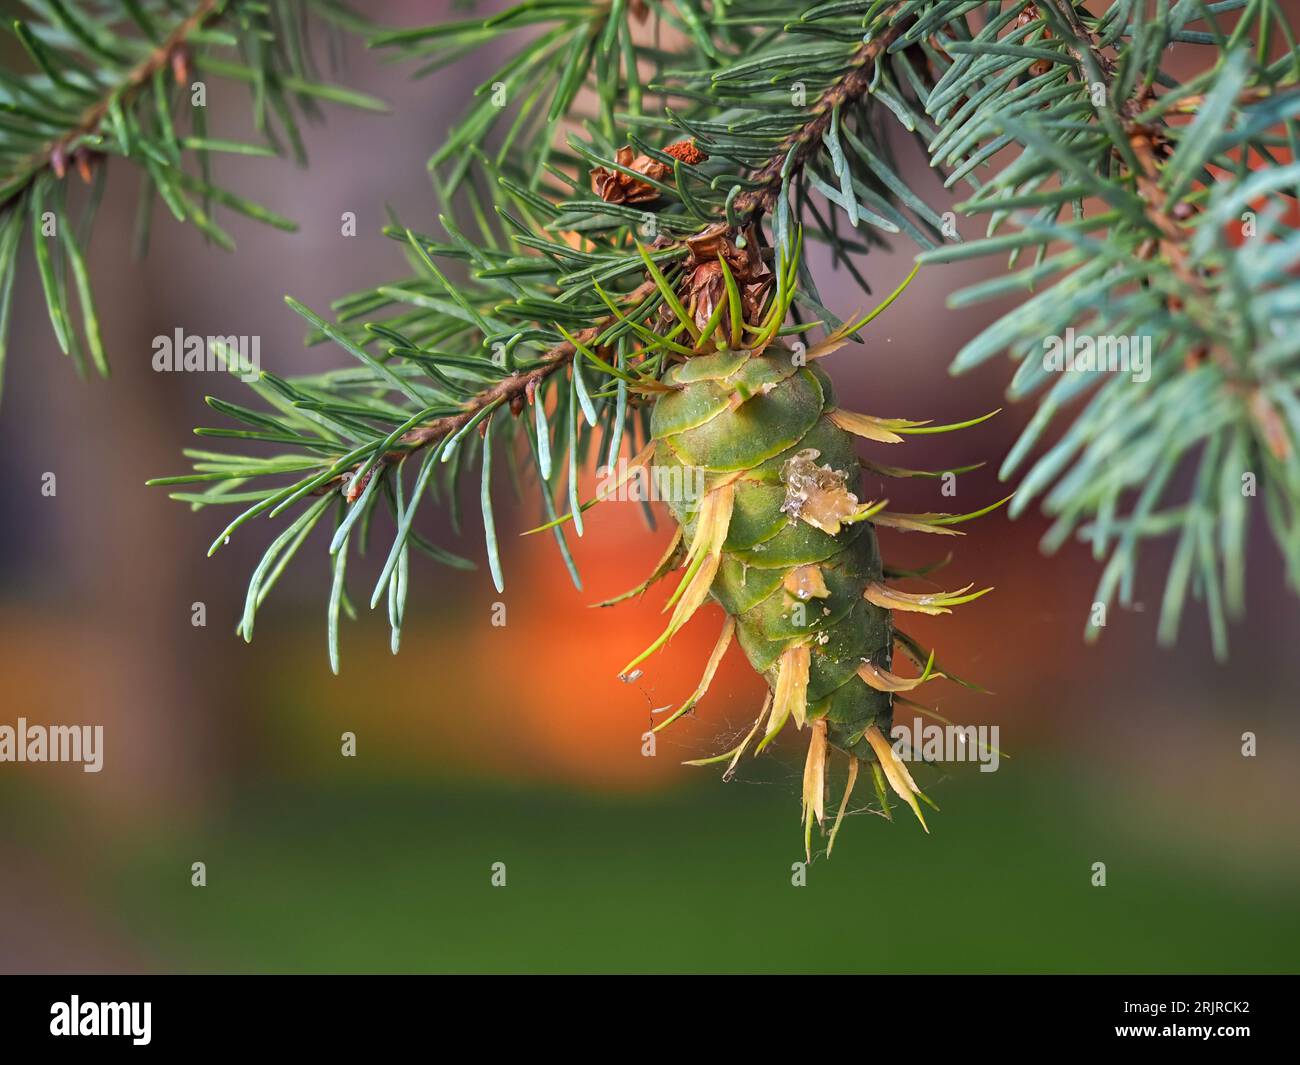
{"x":779,"y":537}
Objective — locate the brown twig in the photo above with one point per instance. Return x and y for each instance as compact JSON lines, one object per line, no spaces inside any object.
{"x":1146,"y":143}
{"x":509,"y":390}
{"x":851,"y":87}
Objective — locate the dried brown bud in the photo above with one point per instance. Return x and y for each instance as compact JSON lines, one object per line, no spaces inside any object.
{"x":85,"y":165}
{"x":703,"y":286}
{"x":180,"y":59}
{"x":1028,"y":15}
{"x":688,"y":152}
{"x":516,"y":404}
{"x":614,"y":186}
{"x":357,"y":485}
{"x":1149,"y":139}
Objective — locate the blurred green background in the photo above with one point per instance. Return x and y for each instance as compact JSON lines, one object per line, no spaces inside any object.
{"x":480,"y":744}
{"x":393,"y":876}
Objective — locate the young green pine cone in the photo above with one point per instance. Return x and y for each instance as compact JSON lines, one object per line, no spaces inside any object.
{"x":780,"y":539}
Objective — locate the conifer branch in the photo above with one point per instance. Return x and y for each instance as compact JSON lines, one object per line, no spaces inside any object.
{"x":100,"y":88}
{"x":511,"y":393}
{"x":170,"y":53}
{"x":697,"y":166}
{"x":1155,"y":266}
{"x":854,"y":87}
{"x":765,"y":185}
